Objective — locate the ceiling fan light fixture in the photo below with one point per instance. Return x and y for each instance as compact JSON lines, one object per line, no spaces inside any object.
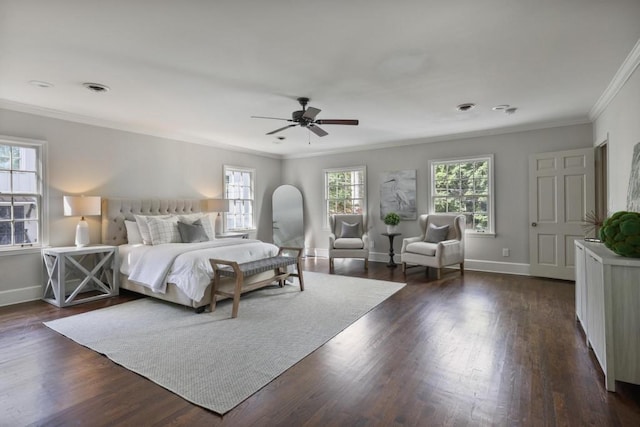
{"x":306,"y":118}
{"x":96,"y":87}
{"x":465,"y":107}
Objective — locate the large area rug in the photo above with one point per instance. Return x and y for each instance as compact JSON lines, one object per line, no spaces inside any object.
{"x":213,"y":360}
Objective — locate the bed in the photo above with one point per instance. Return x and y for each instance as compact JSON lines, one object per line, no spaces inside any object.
{"x":168,"y":270}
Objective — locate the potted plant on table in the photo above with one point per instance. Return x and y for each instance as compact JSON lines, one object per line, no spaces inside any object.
{"x":392,"y":220}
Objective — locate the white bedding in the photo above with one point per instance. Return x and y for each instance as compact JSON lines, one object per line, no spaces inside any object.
{"x":186,"y":264}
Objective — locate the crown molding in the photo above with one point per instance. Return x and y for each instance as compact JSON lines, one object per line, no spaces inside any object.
{"x":448,"y":137}
{"x":624,"y":73}
{"x":87,"y":120}
{"x":77,"y":118}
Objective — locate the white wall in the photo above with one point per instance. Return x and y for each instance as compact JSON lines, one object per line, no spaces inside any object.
{"x":98,"y":161}
{"x":511,"y":188}
{"x":620,"y":123}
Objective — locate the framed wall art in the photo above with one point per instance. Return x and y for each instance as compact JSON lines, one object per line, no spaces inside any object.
{"x":398,"y":194}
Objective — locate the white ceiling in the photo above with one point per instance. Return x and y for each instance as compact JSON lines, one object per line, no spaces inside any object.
{"x":197,"y":70}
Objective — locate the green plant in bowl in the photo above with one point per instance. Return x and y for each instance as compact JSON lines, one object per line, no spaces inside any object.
{"x":621,"y":233}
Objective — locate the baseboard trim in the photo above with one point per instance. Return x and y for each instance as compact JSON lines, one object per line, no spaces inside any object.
{"x":469,"y":264}
{"x":17,"y":296}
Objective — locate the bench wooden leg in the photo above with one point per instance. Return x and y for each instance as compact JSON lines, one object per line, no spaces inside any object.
{"x":236,"y":294}
{"x":214,"y":287}
{"x":300,"y":279}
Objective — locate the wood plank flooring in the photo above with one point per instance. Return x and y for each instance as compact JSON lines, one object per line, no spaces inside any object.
{"x":483,"y":349}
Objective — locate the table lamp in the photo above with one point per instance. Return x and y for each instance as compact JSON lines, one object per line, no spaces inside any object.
{"x":82,"y":206}
{"x":218,"y":205}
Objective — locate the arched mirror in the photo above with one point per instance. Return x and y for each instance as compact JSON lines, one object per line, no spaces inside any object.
{"x":288,"y":220}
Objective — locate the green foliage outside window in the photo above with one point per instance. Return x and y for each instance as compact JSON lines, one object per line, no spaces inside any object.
{"x":345,"y":191}
{"x":463,"y":187}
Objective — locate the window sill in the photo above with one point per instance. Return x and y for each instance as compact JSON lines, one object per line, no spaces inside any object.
{"x":480,"y":235}
{"x":20,"y":251}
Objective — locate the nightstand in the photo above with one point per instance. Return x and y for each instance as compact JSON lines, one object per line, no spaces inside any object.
{"x":231,"y":235}
{"x":77,"y":275}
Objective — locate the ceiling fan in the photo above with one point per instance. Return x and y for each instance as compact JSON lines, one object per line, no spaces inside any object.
{"x":307,"y":118}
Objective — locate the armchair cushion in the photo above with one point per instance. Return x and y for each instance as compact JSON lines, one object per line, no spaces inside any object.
{"x":350,"y":230}
{"x":422,"y":248}
{"x":348,"y":243}
{"x":436,"y":234}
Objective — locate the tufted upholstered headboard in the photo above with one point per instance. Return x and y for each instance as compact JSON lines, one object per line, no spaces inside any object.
{"x":115,"y":211}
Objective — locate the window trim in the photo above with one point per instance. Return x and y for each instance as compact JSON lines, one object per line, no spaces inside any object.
{"x":326,"y":171}
{"x":252,"y":171}
{"x":43,"y":187}
{"x":490,"y":176}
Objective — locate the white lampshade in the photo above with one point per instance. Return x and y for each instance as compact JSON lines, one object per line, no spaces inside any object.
{"x":217,"y":205}
{"x":82,"y":206}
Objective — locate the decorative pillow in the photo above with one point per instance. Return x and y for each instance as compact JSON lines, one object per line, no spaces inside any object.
{"x":143,"y":227}
{"x":436,"y":234}
{"x":163,"y":230}
{"x":192,"y":233}
{"x":350,"y":230}
{"x":207,"y":221}
{"x":133,"y":232}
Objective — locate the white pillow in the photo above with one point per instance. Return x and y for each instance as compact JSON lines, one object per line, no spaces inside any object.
{"x":207,"y":222}
{"x":141,"y":220}
{"x":133,"y":232}
{"x":163,"y":230}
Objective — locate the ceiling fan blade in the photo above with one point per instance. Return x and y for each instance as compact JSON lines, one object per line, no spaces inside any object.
{"x":274,"y":118}
{"x":311,"y":113}
{"x":278,"y":130}
{"x":337,"y":122}
{"x":315,"y":129}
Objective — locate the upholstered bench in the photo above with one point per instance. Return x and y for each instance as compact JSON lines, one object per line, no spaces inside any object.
{"x":241,"y":271}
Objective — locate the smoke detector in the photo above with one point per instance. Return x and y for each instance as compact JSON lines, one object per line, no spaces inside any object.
{"x":96,"y":87}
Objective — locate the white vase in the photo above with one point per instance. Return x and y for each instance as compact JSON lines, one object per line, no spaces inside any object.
{"x":392,"y":229}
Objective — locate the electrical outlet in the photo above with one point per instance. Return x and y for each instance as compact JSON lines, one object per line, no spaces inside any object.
{"x":505,"y":251}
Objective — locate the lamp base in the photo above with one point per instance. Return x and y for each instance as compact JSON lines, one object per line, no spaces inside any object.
{"x":218,"y":224}
{"x":82,"y":234}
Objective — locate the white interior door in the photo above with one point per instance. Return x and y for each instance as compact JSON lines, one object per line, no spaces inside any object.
{"x":561,"y":192}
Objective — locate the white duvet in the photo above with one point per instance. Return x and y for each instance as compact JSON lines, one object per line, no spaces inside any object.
{"x":186,"y":264}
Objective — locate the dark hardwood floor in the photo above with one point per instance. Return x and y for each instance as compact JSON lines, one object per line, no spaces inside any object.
{"x":483,"y":349}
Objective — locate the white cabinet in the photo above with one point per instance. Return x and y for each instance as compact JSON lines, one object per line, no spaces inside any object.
{"x":608,"y":307}
{"x":581,"y":288}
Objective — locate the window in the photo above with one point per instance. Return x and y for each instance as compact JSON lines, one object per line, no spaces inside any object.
{"x":21,"y":193}
{"x":345,"y":191}
{"x":464,"y":186}
{"x":239,"y":189}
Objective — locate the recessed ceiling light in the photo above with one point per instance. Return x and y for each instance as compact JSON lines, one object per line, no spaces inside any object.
{"x":96,"y":87}
{"x":466,"y":106}
{"x":40,"y":83}
{"x":510,"y":110}
{"x":500,"y":107}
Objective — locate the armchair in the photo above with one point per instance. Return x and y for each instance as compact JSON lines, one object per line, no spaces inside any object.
{"x":440,"y":244}
{"x":348,"y":238}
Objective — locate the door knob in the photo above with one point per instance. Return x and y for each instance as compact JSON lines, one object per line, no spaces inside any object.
{"x":534,"y":224}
